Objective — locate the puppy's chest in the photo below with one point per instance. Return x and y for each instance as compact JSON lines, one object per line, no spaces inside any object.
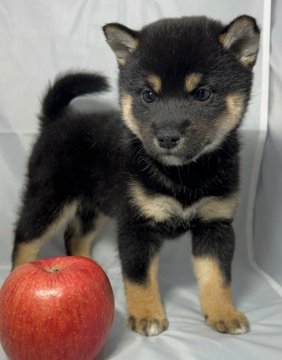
{"x":161,"y":208}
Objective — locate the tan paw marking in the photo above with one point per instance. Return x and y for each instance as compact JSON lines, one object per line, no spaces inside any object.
{"x":146,"y":314}
{"x":235,"y":323}
{"x":149,"y":326}
{"x":216,"y":298}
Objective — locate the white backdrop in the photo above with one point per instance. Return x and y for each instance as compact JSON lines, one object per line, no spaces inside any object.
{"x":40,"y":38}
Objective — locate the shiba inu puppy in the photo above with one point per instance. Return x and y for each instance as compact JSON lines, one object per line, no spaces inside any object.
{"x":168,"y":162}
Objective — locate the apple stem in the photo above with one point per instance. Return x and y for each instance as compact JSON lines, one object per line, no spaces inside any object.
{"x":53,"y":269}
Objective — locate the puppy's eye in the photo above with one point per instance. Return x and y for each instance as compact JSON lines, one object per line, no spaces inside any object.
{"x":149,"y":96}
{"x":202,"y":94}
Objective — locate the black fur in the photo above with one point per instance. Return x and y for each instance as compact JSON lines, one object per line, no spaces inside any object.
{"x":67,"y":88}
{"x":222,"y":249}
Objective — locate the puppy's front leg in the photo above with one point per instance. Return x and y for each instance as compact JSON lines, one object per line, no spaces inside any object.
{"x":139,"y":252}
{"x":213,"y":247}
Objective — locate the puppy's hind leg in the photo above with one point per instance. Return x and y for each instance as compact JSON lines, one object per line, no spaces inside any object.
{"x":39,"y":220}
{"x":82,"y":231}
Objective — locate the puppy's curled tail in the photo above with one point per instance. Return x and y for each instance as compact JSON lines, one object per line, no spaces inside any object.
{"x":65,"y":88}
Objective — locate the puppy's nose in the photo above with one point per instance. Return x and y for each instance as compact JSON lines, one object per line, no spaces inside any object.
{"x":168,"y":139}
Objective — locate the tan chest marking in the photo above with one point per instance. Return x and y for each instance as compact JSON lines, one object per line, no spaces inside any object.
{"x":162,"y":207}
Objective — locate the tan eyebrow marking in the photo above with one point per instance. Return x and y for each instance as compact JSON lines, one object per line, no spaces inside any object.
{"x":192,"y":81}
{"x":155,"y":82}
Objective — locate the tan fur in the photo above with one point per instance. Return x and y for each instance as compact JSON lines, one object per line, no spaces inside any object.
{"x":192,"y":81}
{"x":145,"y":310}
{"x":155,"y":82}
{"x":122,"y":59}
{"x":115,"y":35}
{"x":216,"y":298}
{"x":235,"y":107}
{"x":222,"y":38}
{"x":127,"y":116}
{"x":28,"y":251}
{"x":212,"y":208}
{"x":160,"y":208}
{"x":235,"y":104}
{"x":248,"y":60}
{"x":238,"y":29}
{"x":81,"y":245}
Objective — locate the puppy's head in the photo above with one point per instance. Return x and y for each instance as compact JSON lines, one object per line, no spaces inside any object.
{"x":184,"y":83}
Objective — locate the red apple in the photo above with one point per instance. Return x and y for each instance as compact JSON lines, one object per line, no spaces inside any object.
{"x":56,"y":309}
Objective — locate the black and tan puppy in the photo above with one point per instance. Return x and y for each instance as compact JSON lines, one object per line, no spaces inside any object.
{"x":167,"y":164}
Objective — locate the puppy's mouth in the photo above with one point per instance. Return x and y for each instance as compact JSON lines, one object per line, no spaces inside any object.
{"x":172,"y":160}
{"x":184,"y":153}
{"x":171,"y":157}
{"x":181,"y":156}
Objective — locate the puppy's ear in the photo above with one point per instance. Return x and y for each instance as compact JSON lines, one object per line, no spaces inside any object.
{"x":121,"y":39}
{"x":241,"y":37}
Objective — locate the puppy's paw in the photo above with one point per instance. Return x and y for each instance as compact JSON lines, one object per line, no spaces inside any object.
{"x":148,"y":326}
{"x":229,"y":323}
